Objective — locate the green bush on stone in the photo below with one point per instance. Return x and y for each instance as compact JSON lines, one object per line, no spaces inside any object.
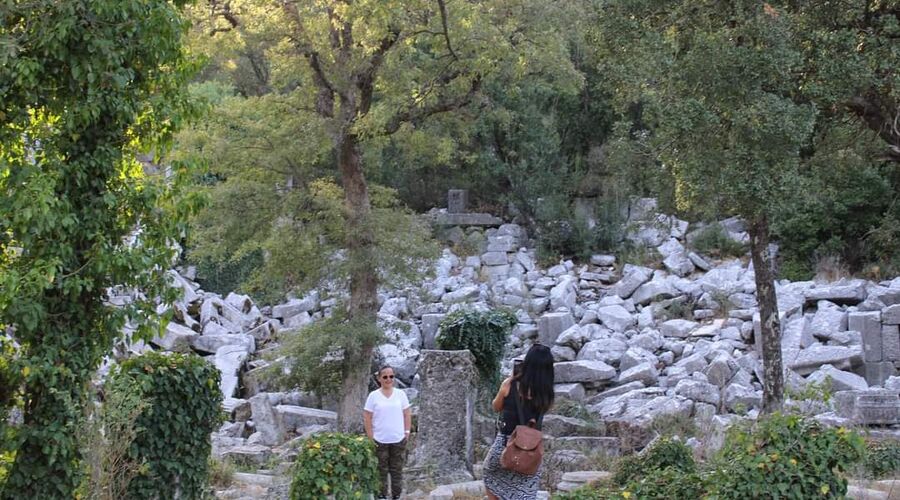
{"x":483,"y":333}
{"x":665,"y":453}
{"x":173,"y":438}
{"x":785,"y":456}
{"x":882,"y":459}
{"x":669,"y":482}
{"x":712,"y":240}
{"x":335,"y":465}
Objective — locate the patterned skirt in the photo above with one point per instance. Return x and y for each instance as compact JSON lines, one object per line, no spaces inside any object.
{"x":507,"y":484}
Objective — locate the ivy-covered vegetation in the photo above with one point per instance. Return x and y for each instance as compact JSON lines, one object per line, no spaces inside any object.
{"x":182,"y":409}
{"x":87,"y":85}
{"x":483,"y":333}
{"x":335,"y":465}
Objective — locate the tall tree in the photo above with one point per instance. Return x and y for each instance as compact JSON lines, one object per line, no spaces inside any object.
{"x":717,"y":89}
{"x":370,"y":68}
{"x":84,"y":86}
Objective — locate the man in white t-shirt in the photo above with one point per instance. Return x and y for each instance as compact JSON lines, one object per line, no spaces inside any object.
{"x":387,"y":418}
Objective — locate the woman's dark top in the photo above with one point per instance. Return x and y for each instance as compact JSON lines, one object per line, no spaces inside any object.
{"x":509,"y":418}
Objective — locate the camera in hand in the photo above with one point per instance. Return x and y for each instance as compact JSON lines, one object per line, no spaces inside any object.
{"x":517,"y":367}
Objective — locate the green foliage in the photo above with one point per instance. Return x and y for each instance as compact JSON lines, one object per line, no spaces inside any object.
{"x":669,"y":482}
{"x":334,"y":465}
{"x":573,"y":409}
{"x":713,"y":241}
{"x":882,"y":459}
{"x":227,"y":275}
{"x":174,"y":429}
{"x":483,"y":333}
{"x":9,"y":379}
{"x":845,"y":196}
{"x":561,"y":233}
{"x":109,"y":434}
{"x":87,"y":85}
{"x":785,"y":456}
{"x":221,"y":473}
{"x":732,"y":142}
{"x":314,"y":357}
{"x":665,"y":453}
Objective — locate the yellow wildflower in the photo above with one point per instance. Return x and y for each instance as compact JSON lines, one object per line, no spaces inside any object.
{"x":626,"y":494}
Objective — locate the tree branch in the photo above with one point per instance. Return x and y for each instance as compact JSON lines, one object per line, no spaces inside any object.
{"x":442,"y":105}
{"x":881,"y":116}
{"x":443,"y":9}
{"x":223,"y":10}
{"x":325,"y":97}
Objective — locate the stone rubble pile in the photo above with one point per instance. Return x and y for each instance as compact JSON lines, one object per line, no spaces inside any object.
{"x":632,"y":343}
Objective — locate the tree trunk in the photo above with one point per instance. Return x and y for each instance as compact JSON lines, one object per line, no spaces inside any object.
{"x":770,"y":331}
{"x":363,"y":282}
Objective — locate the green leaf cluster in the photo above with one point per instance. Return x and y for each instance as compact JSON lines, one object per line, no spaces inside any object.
{"x":713,"y":241}
{"x":882,"y":459}
{"x":786,"y":456}
{"x":87,"y":86}
{"x":664,"y":453}
{"x":778,"y":456}
{"x":316,"y":357}
{"x":173,"y":441}
{"x":335,"y":465}
{"x":10,"y":397}
{"x":483,"y":333}
{"x":274,"y":219}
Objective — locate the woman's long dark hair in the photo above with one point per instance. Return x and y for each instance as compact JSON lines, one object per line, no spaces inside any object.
{"x":536,"y":379}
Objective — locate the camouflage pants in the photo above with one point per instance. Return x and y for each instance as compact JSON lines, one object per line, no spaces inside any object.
{"x":390,"y":462}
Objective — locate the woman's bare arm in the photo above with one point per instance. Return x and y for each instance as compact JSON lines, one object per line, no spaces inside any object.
{"x":367,"y":423}
{"x":497,"y":404}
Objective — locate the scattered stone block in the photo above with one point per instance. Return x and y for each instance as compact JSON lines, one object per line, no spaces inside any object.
{"x":583,"y":371}
{"x":868,"y":324}
{"x":890,"y":315}
{"x":890,"y":342}
{"x":572,"y":392}
{"x":551,"y":325}
{"x":868,"y":407}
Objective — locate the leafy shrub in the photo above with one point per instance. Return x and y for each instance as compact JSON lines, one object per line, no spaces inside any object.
{"x":785,"y":456}
{"x":483,"y":333}
{"x":882,"y":459}
{"x":666,"y":483}
{"x":173,"y":438}
{"x":335,"y":465}
{"x":712,"y":240}
{"x":225,"y":276}
{"x":307,"y":358}
{"x":664,"y":453}
{"x":9,"y":398}
{"x":221,"y":472}
{"x":109,"y":433}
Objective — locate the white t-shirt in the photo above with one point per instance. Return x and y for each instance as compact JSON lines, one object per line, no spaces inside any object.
{"x":387,"y":415}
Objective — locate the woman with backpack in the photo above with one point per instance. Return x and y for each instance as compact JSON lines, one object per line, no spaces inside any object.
{"x":512,"y":466}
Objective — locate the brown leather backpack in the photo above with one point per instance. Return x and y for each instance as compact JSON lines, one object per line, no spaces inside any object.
{"x":525,"y":448}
